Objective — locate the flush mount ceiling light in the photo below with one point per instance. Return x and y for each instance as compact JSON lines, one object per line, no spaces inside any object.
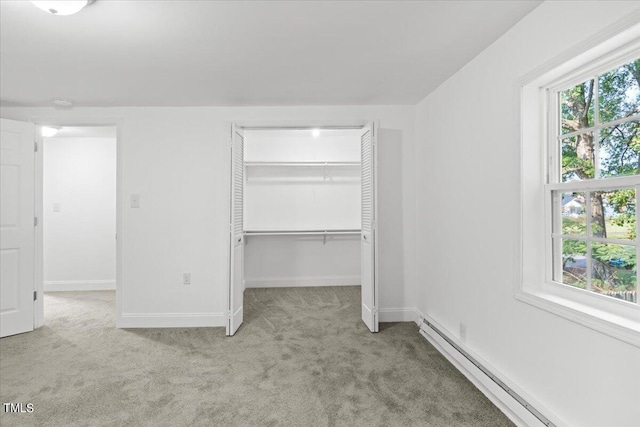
{"x":63,"y":7}
{"x":59,"y":102}
{"x":48,"y":131}
{"x":315,"y":133}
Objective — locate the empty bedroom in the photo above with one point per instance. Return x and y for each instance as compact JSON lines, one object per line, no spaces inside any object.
{"x":319,"y":213}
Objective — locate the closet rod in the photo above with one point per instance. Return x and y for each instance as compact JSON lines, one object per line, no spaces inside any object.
{"x":299,"y":232}
{"x":353,"y":127}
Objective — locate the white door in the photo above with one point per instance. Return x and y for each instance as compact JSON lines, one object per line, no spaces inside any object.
{"x":17,"y":234}
{"x":368,"y":252}
{"x":236,"y":232}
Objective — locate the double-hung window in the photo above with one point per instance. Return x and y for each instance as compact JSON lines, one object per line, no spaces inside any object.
{"x":580,"y":184}
{"x":594,"y":181}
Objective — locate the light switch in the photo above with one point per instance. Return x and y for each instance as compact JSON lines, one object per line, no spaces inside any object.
{"x":135,"y":200}
{"x":56,"y":206}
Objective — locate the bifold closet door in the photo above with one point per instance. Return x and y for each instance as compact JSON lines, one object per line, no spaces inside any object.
{"x":368,"y":268}
{"x":236,"y":232}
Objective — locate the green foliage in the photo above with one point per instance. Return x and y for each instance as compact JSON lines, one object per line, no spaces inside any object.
{"x":614,"y":278}
{"x":572,"y":166}
{"x":624,"y":205}
{"x":573,"y":247}
{"x":605,"y":252}
{"x":618,"y":96}
{"x":573,"y":226}
{"x":613,"y":266}
{"x":577,"y":107}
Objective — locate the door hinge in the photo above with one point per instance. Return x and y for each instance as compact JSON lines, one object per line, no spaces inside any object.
{"x":35,"y":295}
{"x":35,"y":221}
{"x":229,"y":315}
{"x":35,"y":147}
{"x":375,"y":311}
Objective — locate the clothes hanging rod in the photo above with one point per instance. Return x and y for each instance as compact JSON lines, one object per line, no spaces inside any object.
{"x":299,"y":232}
{"x":310,"y":163}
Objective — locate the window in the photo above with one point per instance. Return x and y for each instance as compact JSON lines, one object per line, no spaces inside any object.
{"x":580,"y":184}
{"x":594,"y":178}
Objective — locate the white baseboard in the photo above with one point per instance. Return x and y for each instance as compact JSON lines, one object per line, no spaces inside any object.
{"x":294,"y":282}
{"x":397,"y":314}
{"x":171,"y":320}
{"x":517,"y":413}
{"x":79,"y":285}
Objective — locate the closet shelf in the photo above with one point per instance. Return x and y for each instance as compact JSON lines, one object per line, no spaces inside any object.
{"x":302,"y":163}
{"x":298,"y":232}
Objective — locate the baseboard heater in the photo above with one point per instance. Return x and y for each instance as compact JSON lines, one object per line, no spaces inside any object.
{"x":492,"y":377}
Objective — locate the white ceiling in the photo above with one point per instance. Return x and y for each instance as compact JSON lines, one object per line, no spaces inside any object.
{"x":194,"y":53}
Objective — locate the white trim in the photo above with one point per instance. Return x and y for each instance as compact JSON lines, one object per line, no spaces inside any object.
{"x":79,"y":285}
{"x":618,"y":34}
{"x":598,"y":125}
{"x":172,"y":320}
{"x":406,"y":314}
{"x":593,"y":239}
{"x":507,"y":404}
{"x":38,"y":276}
{"x":622,"y":328}
{"x":594,"y":184}
{"x":301,"y":281}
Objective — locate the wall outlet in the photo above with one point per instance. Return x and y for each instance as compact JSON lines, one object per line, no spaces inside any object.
{"x":463,"y":332}
{"x":186,"y":278}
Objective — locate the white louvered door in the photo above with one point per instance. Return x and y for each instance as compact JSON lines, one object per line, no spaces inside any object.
{"x":368,"y":261}
{"x":236,"y":232}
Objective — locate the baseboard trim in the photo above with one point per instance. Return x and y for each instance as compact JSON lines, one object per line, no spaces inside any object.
{"x":79,"y":285}
{"x":506,"y":403}
{"x":293,"y":282}
{"x":397,"y":314}
{"x":171,"y":320}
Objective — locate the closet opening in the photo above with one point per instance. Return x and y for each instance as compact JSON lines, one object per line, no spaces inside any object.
{"x":302,"y":212}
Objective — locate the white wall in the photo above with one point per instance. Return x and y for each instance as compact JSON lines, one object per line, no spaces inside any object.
{"x":79,"y":250}
{"x":302,"y":197}
{"x":468,"y":228}
{"x":286,"y":261}
{"x":177,"y":159}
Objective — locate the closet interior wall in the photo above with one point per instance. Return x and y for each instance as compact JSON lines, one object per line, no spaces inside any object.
{"x":298,"y":185}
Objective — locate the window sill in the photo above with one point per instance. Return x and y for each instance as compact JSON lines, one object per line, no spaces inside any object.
{"x":623,"y":328}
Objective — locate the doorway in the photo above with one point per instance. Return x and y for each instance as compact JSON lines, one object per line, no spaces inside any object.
{"x":303,"y":212}
{"x":62,"y":194}
{"x":79,"y":209}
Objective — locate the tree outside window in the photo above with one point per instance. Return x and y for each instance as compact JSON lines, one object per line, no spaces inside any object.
{"x":595,"y":229}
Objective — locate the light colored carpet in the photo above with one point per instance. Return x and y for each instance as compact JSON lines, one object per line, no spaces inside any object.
{"x":302,"y":358}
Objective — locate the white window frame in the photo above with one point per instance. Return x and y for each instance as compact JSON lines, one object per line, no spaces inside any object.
{"x":538,"y":134}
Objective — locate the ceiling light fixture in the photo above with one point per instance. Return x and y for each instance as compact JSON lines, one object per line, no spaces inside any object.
{"x":48,"y":131}
{"x":63,"y":7}
{"x":315,"y":133}
{"x":59,"y":102}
